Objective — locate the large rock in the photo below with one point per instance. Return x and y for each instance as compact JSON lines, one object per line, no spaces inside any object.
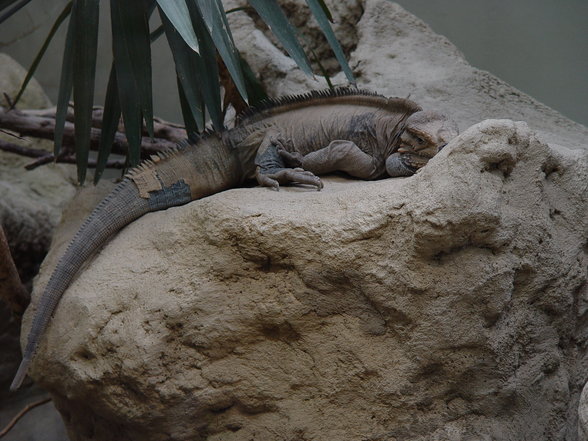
{"x":12,"y":75}
{"x":583,"y":415}
{"x":443,"y":306}
{"x":446,"y":306}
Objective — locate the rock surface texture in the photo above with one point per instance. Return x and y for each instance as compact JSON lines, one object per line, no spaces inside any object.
{"x":450,"y":305}
{"x":583,"y":415}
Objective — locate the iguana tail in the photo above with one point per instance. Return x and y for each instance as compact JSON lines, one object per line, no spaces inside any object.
{"x":118,"y":209}
{"x":170,"y":179}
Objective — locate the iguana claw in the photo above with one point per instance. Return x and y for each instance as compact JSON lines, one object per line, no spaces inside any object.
{"x":292,"y":159}
{"x":288,"y":176}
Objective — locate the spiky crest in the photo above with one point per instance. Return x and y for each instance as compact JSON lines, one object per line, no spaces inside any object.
{"x":192,"y":141}
{"x":341,"y":95}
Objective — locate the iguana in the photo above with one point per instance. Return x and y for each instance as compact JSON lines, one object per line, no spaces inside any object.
{"x":288,"y":140}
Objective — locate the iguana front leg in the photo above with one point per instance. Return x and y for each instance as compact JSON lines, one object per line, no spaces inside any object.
{"x":271,"y":170}
{"x":341,"y":155}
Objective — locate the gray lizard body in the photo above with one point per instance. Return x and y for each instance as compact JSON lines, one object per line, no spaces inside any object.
{"x":290,"y":140}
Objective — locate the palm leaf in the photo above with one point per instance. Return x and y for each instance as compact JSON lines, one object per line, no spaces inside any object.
{"x":207,"y":70}
{"x":214,"y":17}
{"x":84,"y":71}
{"x":274,"y":17}
{"x":110,"y":120}
{"x":189,"y":121}
{"x":323,"y":20}
{"x":65,"y":83}
{"x":132,"y":58}
{"x":255,"y":89}
{"x":185,"y":60}
{"x":325,"y":10}
{"x":64,"y":14}
{"x":177,"y":13}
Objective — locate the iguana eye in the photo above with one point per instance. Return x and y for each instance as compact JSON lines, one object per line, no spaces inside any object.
{"x":419,"y":140}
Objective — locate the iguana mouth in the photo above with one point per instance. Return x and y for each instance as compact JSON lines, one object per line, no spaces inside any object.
{"x":412,"y":151}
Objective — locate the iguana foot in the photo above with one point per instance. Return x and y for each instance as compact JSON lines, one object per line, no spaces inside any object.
{"x":287,"y":176}
{"x":291,"y":159}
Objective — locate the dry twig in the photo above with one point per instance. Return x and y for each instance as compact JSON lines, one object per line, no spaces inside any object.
{"x":22,"y":413}
{"x":41,"y":124}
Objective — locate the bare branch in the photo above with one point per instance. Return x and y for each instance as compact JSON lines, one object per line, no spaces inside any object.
{"x":21,"y":150}
{"x":71,"y":159}
{"x":27,"y":123}
{"x":23,"y":413}
{"x":161,"y":128}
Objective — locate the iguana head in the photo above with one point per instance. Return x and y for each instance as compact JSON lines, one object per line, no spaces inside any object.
{"x":424,"y":135}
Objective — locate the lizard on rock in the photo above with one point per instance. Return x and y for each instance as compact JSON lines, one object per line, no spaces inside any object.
{"x":283,"y":141}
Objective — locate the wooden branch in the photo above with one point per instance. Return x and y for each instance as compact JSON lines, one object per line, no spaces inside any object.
{"x":161,"y":128}
{"x":12,"y":291}
{"x":31,"y":123}
{"x":21,"y":150}
{"x":22,"y":413}
{"x":46,"y":157}
{"x":71,"y":159}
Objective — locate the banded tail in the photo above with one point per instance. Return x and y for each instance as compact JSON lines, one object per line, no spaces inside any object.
{"x":119,"y":208}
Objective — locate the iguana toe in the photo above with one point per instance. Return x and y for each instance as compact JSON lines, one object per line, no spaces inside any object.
{"x":288,"y":176}
{"x":266,"y":180}
{"x":292,"y":159}
{"x":297,"y":176}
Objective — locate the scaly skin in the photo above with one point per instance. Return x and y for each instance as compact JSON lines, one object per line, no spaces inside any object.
{"x":288,"y":141}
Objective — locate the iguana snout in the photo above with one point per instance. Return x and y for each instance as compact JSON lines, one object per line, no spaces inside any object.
{"x":425,"y":134}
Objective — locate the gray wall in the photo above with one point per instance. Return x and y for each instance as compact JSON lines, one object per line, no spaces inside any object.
{"x":539,"y":46}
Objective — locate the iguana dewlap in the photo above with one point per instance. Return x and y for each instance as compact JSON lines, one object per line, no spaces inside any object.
{"x":290,"y":140}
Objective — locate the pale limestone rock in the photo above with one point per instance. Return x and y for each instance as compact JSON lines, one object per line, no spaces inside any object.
{"x":11,"y":77}
{"x":442,"y":306}
{"x":583,"y":415}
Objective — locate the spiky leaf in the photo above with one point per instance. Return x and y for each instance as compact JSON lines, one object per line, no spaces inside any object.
{"x":274,"y":17}
{"x":65,"y":83}
{"x":323,"y":20}
{"x":132,"y":58}
{"x":177,"y":13}
{"x":185,"y":60}
{"x":214,"y":17}
{"x":84,"y":72}
{"x":110,"y":120}
{"x":64,"y":14}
